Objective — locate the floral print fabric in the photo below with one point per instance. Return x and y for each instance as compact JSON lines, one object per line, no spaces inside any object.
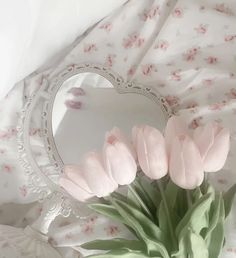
{"x":184,"y":49}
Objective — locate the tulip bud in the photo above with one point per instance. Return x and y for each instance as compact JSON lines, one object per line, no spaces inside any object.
{"x":74,"y":183}
{"x":151,"y":151}
{"x":119,"y":158}
{"x":185,"y":166}
{"x":175,"y":127}
{"x":96,"y":177}
{"x":213,"y":142}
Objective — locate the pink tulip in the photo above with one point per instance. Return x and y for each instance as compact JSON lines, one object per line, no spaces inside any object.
{"x":151,"y":150}
{"x":185,"y":165}
{"x":96,"y":177}
{"x":74,"y":183}
{"x":213,"y":142}
{"x":119,"y":158}
{"x":175,"y":127}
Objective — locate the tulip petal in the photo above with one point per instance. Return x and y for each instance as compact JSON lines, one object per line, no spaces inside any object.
{"x":186,"y":168}
{"x":75,"y":174}
{"x":217,"y":155}
{"x":204,"y":138}
{"x":117,"y":135}
{"x":175,"y":127}
{"x":74,"y":190}
{"x":96,"y":177}
{"x":120,"y":163}
{"x":193,"y":163}
{"x":152,"y":152}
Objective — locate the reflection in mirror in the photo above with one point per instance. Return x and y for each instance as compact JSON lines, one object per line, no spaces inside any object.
{"x":87,"y":105}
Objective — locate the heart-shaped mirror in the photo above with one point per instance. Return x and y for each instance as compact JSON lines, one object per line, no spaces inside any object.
{"x":70,"y":114}
{"x":87,"y":105}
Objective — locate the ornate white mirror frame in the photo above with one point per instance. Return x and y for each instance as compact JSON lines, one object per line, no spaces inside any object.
{"x":43,"y":177}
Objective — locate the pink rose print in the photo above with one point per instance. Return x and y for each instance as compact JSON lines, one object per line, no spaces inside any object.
{"x":230,"y":37}
{"x":150,"y":14}
{"x":34,"y":131}
{"x":110,"y":60}
{"x":77,"y":91}
{"x":112,"y":230}
{"x":132,"y":71}
{"x":73,"y":104}
{"x":89,"y":48}
{"x":217,"y":106}
{"x":222,"y":8}
{"x":231,"y":94}
{"x":7,"y":168}
{"x":9,"y":133}
{"x":23,"y":190}
{"x":69,"y":236}
{"x":211,"y":60}
{"x":162,"y":44}
{"x":192,"y":104}
{"x":148,"y":69}
{"x":201,"y":29}
{"x":178,"y":12}
{"x":195,"y":123}
{"x":133,"y":40}
{"x":87,"y":229}
{"x":190,"y":54}
{"x":208,"y":82}
{"x":172,"y":100}
{"x":106,"y":26}
{"x":175,"y":75}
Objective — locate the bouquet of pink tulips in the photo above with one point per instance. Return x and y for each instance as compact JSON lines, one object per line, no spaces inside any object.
{"x":171,"y":209}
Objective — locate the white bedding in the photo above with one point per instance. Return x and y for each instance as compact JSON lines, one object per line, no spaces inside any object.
{"x":32,"y":32}
{"x":185,"y":49}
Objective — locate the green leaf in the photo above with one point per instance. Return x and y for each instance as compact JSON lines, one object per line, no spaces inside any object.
{"x":151,"y":191}
{"x":191,"y":245}
{"x":108,"y":211}
{"x":145,"y":229}
{"x":228,"y":199}
{"x":115,"y":244}
{"x":197,"y":194}
{"x":195,"y":218}
{"x":122,"y":254}
{"x":214,"y":215}
{"x":197,"y":247}
{"x":216,"y":239}
{"x":171,"y":192}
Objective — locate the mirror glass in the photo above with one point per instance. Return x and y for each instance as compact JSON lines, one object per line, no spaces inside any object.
{"x":87,"y":105}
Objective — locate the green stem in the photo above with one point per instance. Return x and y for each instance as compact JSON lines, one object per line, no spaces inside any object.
{"x":167,"y":211}
{"x":143,"y":205}
{"x":189,"y":199}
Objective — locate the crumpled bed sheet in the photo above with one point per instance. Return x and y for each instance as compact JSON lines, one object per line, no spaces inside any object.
{"x":186,"y":49}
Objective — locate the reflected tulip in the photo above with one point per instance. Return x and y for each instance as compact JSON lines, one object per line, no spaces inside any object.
{"x":185,"y":165}
{"x":96,"y":177}
{"x":74,"y":183}
{"x":151,"y":151}
{"x":213,"y":142}
{"x":119,"y":157}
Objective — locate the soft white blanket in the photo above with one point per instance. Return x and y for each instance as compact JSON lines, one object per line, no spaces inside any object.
{"x":32,"y":32}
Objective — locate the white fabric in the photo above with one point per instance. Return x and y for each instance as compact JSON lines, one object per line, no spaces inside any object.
{"x":33,"y":31}
{"x":185,"y":49}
